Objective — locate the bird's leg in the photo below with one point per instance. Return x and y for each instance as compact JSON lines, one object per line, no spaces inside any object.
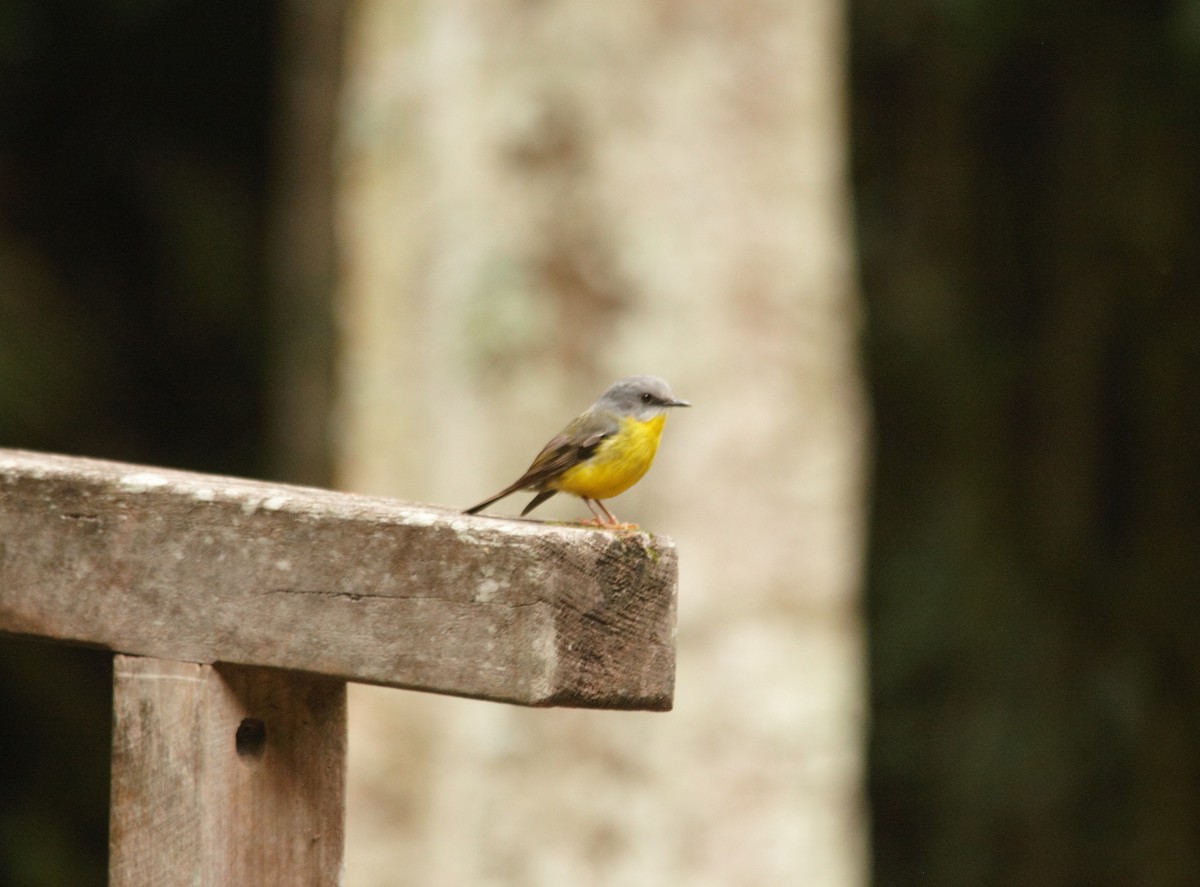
{"x":612,"y":518}
{"x":596,"y":520}
{"x":609,"y":520}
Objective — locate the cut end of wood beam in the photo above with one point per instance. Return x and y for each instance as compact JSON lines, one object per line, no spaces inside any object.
{"x":201,"y":568}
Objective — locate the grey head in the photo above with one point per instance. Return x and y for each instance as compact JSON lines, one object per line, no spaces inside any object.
{"x":643,"y":397}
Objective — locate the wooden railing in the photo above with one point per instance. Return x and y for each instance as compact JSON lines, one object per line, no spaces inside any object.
{"x":238,"y":610}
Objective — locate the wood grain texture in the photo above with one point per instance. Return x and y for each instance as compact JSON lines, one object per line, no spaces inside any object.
{"x":210,"y":569}
{"x":225,"y":775}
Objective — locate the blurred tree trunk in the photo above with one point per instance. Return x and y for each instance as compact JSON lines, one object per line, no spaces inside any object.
{"x":533,"y":201}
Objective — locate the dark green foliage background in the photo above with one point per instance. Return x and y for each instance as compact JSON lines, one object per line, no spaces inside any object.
{"x":1028,"y":195}
{"x":1027,"y":188}
{"x":133,"y":178}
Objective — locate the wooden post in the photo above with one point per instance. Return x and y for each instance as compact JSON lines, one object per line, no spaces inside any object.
{"x":225,"y":775}
{"x":239,"y":610}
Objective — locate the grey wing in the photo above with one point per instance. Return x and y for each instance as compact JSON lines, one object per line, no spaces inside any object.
{"x":577,"y":443}
{"x":574,"y":444}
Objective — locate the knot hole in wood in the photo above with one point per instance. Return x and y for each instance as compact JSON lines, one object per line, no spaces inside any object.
{"x":250,"y":739}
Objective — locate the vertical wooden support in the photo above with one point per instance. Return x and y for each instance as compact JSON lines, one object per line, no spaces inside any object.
{"x":225,"y":775}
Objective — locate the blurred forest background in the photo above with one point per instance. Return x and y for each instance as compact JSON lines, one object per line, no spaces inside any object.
{"x":1027,"y":201}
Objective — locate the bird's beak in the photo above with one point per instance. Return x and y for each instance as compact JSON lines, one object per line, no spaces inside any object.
{"x":678,"y":403}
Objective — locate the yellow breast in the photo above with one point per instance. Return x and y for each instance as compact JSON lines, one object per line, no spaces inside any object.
{"x":619,"y":462}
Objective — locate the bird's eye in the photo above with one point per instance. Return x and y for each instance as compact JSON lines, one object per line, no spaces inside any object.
{"x":647,"y":397}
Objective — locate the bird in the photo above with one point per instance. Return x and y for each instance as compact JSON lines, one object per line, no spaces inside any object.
{"x":601,"y":453}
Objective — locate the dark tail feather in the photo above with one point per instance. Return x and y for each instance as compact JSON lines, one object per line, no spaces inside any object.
{"x":507,"y":491}
{"x":486,"y":502}
{"x":537,"y":500}
{"x":482,"y":505}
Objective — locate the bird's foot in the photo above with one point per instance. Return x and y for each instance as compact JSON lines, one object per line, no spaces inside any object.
{"x":606,"y":525}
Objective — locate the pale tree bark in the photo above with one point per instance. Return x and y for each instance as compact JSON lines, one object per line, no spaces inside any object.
{"x":535,"y":199}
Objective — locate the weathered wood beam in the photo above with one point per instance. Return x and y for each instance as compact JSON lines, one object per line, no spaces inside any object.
{"x":208,"y":569}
